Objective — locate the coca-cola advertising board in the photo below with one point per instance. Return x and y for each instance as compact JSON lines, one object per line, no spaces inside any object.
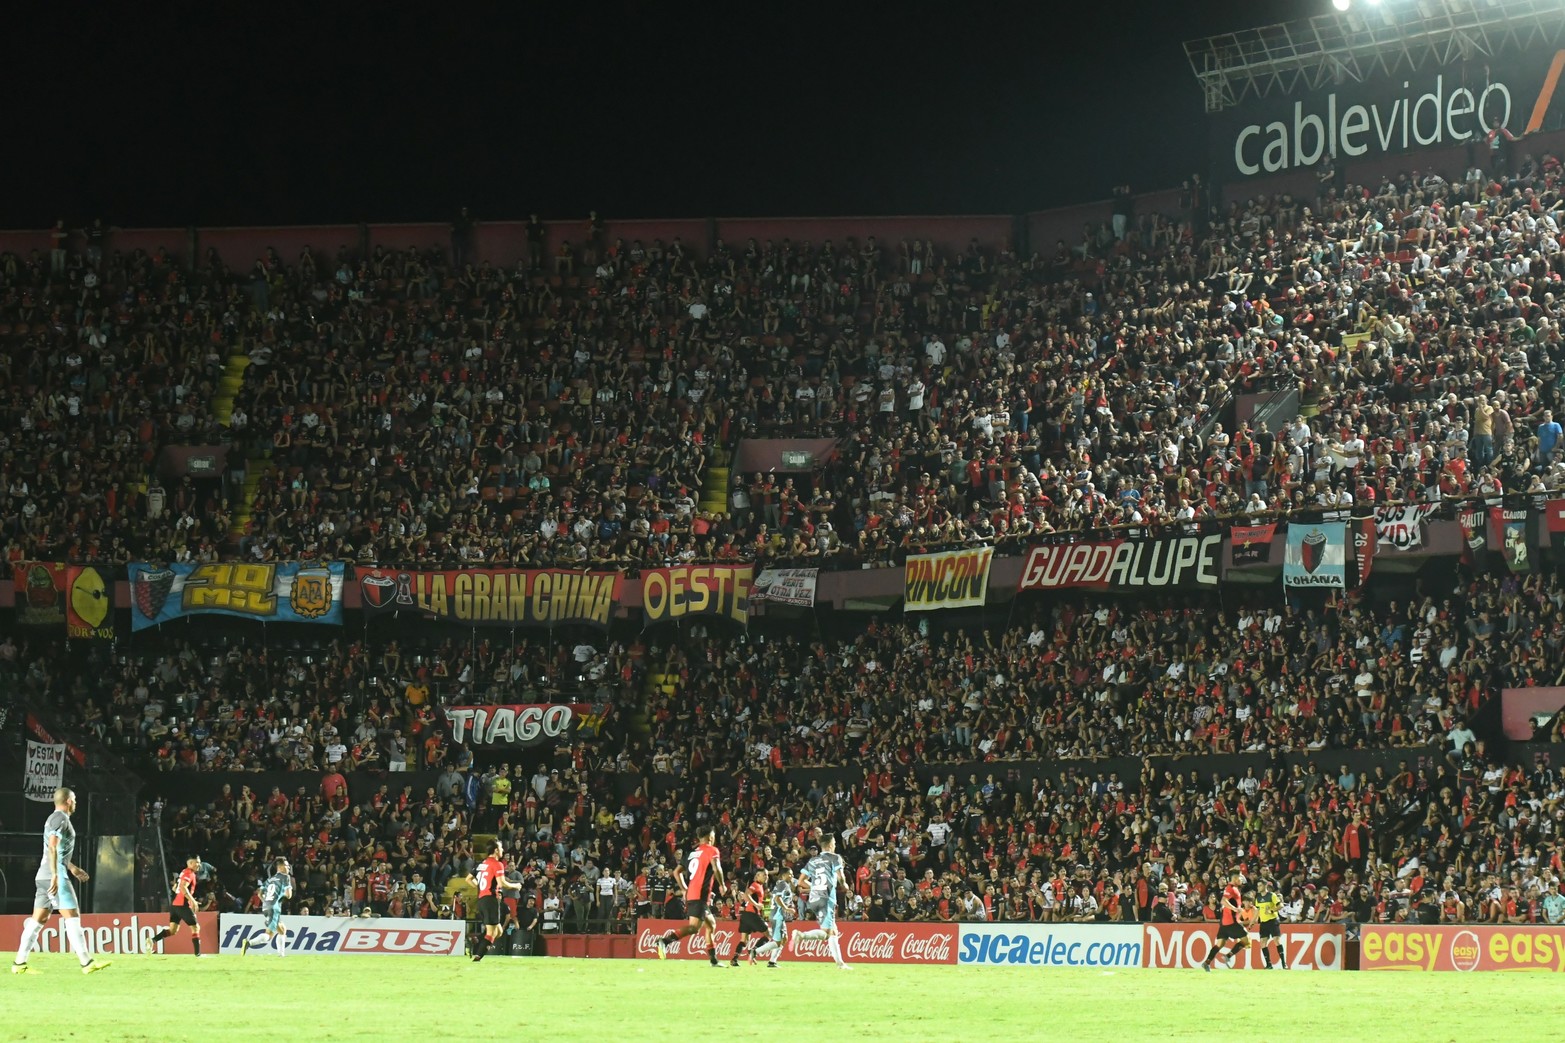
{"x":115,"y":934}
{"x":929,"y":943}
{"x":1309,"y":947}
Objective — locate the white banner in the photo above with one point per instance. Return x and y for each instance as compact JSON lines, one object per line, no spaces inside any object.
{"x":45,"y":770}
{"x":351,"y":935}
{"x":1051,"y":945}
{"x":785,"y":587}
{"x":1401,"y":528}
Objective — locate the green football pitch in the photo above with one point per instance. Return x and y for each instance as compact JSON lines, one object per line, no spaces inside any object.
{"x":261,"y":998}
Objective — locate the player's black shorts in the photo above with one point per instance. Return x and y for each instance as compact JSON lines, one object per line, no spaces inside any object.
{"x":695,"y":909}
{"x":489,"y":910}
{"x":1229,"y":932}
{"x":1271,"y":928}
{"x":181,"y":914}
{"x":751,"y":923}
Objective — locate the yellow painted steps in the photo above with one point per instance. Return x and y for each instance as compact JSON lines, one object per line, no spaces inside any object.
{"x":228,"y":386}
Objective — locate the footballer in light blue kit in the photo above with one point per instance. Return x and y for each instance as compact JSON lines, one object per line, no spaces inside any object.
{"x":56,"y":888}
{"x":825,"y":874}
{"x":779,"y":910}
{"x":277,"y":888}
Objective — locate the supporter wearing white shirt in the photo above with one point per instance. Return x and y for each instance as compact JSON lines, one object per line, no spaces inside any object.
{"x":935,"y":352}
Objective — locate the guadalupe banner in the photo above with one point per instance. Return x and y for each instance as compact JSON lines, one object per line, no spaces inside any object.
{"x":1317,"y":555}
{"x":1160,"y":562}
{"x":280,"y":592}
{"x":1402,"y":528}
{"x":494,"y":597}
{"x":946,"y":579}
{"x":785,"y":587}
{"x":687,"y":591}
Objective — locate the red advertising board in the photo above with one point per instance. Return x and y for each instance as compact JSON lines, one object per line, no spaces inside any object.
{"x":1404,"y":947}
{"x":121,"y":934}
{"x":861,"y":942}
{"x":1309,"y":947}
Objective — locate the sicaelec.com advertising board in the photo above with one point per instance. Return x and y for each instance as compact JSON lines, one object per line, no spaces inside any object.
{"x":1434,"y":107}
{"x":1050,"y":945}
{"x":351,"y":935}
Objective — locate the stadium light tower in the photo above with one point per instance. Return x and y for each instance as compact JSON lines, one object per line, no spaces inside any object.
{"x":1344,"y":45}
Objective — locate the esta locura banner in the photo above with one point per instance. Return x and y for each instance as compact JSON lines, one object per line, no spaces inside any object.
{"x":494,"y":597}
{"x":1317,"y":555}
{"x":273,"y":592}
{"x":687,"y":591}
{"x":519,"y":724}
{"x":785,"y":587}
{"x":861,"y":942}
{"x":45,"y":771}
{"x":946,"y":579}
{"x":1162,"y":562}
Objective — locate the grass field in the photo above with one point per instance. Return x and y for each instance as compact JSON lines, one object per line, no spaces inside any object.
{"x":316,"y":998}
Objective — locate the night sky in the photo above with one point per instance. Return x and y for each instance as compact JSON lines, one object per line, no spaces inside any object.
{"x":184,"y":114}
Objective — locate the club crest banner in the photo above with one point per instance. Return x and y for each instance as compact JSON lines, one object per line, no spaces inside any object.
{"x":1317,"y":555}
{"x":281,"y":592}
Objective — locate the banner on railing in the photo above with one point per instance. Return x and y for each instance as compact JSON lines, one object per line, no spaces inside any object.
{"x":927,"y":943}
{"x":1474,"y":522}
{"x":785,"y":587}
{"x":1514,"y":532}
{"x":519,"y":724}
{"x":1251,"y":544}
{"x":114,"y":934}
{"x":946,"y":579}
{"x":350,"y":936}
{"x":40,"y":592}
{"x":1161,"y":562}
{"x":1317,"y":555}
{"x":79,"y":597}
{"x":281,"y":592}
{"x":688,"y":591}
{"x":494,"y":597}
{"x":45,"y":771}
{"x":1309,"y":947}
{"x":1448,"y":947}
{"x":1402,"y":528}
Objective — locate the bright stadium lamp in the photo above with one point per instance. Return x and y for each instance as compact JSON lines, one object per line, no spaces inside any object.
{"x":1341,"y":5}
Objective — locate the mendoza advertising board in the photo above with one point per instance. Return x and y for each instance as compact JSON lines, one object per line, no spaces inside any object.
{"x":1309,"y":947}
{"x":114,"y":934}
{"x":928,"y":943}
{"x":351,"y":936}
{"x":1402,"y":947}
{"x":946,"y":579}
{"x":522,"y":724}
{"x":1163,"y":562}
{"x":688,"y":591}
{"x":279,"y":592}
{"x":1435,"y":107}
{"x":494,"y":597}
{"x":1050,"y":945}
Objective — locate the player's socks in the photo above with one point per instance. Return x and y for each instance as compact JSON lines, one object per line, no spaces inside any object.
{"x":834,"y":947}
{"x":73,"y":931}
{"x":1266,"y":957}
{"x":196,"y":944}
{"x":29,"y":935}
{"x":815,"y":935}
{"x":280,"y":939}
{"x":160,"y":935}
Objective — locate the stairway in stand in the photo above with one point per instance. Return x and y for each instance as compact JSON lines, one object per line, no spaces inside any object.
{"x":714,"y":487}
{"x":258,"y":465}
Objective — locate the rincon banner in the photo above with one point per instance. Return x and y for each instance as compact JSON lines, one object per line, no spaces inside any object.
{"x":722,"y":591}
{"x":40,"y":593}
{"x":1317,"y":555}
{"x":785,"y":587}
{"x":1514,"y":531}
{"x":1402,"y":528}
{"x":45,"y":770}
{"x":1162,"y":562}
{"x":946,"y":579}
{"x":494,"y":597}
{"x":1251,"y":544}
{"x":282,"y":592}
{"x":520,"y":724}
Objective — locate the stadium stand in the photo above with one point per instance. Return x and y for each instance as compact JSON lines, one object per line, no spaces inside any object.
{"x":397,"y":409}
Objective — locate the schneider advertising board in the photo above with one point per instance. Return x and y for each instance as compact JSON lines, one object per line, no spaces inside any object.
{"x":1434,"y":107}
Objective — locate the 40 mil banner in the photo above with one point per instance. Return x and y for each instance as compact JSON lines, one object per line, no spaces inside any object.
{"x":279,"y":592}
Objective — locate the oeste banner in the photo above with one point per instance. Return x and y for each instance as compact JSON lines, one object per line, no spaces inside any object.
{"x":1404,"y":947}
{"x":1162,"y":563}
{"x":114,"y":934}
{"x":494,"y":597}
{"x":946,"y":579}
{"x":525,"y":724}
{"x":1310,"y":947}
{"x":281,"y":592}
{"x":1051,"y":945}
{"x":688,"y":591}
{"x":927,"y":943}
{"x":352,"y":936}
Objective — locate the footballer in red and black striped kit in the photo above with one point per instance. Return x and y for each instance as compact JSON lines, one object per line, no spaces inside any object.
{"x":490,"y":880}
{"x":702,"y":878}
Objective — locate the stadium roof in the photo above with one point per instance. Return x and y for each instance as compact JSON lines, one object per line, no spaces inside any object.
{"x":1366,"y":40}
